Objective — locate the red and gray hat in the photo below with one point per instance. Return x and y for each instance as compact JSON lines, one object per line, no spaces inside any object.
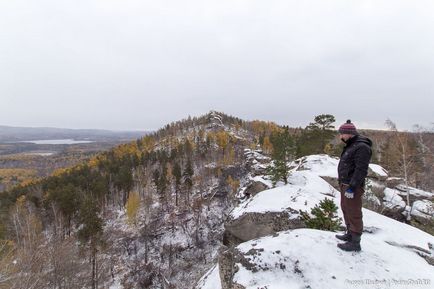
{"x":348,"y":128}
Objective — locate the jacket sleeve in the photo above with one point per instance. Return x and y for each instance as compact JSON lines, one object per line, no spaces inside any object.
{"x":361,"y":158}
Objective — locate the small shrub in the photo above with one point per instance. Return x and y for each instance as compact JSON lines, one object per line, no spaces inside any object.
{"x":323,"y":216}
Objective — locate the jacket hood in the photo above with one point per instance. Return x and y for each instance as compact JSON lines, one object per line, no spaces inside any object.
{"x":364,"y":139}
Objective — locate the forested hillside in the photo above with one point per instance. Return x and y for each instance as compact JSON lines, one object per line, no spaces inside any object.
{"x":150,"y":213}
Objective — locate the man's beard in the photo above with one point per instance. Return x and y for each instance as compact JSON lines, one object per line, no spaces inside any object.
{"x":342,"y":139}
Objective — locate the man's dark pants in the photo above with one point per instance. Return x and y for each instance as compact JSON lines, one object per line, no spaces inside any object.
{"x":352,"y":209}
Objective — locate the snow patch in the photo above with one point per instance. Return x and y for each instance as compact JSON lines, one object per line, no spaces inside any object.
{"x":211,"y":280}
{"x":379,"y":170}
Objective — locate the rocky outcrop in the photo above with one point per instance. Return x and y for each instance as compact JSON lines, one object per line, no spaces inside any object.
{"x":332,"y":181}
{"x":268,"y":246}
{"x":228,"y":257}
{"x":378,"y":173}
{"x":256,"y":162}
{"x":255,"y":187}
{"x":413,"y":193}
{"x":423,"y":211}
{"x":395,"y":203}
{"x":254,"y":225}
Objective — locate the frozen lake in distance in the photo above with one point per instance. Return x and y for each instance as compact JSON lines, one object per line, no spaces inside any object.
{"x":57,"y":141}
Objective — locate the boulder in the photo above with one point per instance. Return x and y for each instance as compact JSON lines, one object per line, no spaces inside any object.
{"x":414,"y":193}
{"x":255,"y":187}
{"x":332,"y":181}
{"x":254,"y":225}
{"x":423,"y":211}
{"x":377,"y":172}
{"x":393,"y":204}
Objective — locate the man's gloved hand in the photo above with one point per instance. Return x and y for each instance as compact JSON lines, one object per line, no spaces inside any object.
{"x":349,"y":193}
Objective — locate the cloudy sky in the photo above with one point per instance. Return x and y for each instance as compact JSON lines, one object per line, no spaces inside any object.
{"x":139,"y":64}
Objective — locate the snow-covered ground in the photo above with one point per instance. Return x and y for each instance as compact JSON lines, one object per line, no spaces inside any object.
{"x":393,"y":253}
{"x":306,"y":258}
{"x":321,"y":165}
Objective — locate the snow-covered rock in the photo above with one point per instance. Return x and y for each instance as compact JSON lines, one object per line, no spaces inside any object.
{"x":392,"y":200}
{"x":423,"y":210}
{"x":215,"y":120}
{"x":276,"y":257}
{"x":421,"y":205}
{"x":322,"y":165}
{"x":277,"y":209}
{"x":415,"y":194}
{"x":304,"y":190}
{"x":377,"y":172}
{"x":326,"y":166}
{"x":257,"y":163}
{"x":305,"y":258}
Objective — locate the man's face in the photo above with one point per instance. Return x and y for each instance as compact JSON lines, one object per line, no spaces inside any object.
{"x":344,"y":137}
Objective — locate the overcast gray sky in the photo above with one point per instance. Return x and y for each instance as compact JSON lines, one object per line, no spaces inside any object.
{"x":139,"y":64}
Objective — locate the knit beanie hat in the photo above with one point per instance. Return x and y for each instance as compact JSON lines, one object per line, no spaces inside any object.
{"x":348,"y":128}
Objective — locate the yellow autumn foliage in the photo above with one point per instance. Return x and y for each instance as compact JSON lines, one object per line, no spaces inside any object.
{"x":147,"y":143}
{"x":233,"y":183}
{"x":132,"y":207}
{"x":267,"y":146}
{"x":127,"y":150}
{"x":222,"y":139}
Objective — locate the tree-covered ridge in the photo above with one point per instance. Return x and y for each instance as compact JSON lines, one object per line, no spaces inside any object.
{"x":167,"y":167}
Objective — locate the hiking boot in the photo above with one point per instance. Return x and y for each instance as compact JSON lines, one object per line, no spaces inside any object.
{"x":353,"y":245}
{"x":344,"y":237}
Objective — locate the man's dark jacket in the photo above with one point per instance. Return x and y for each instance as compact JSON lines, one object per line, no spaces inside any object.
{"x":354,"y":163}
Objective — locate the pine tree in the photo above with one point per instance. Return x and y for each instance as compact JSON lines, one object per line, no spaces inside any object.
{"x":316,"y":135}
{"x":177,"y":173}
{"x":283,"y":151}
{"x":324,"y":216}
{"x":90,"y":233}
{"x":188,"y":179}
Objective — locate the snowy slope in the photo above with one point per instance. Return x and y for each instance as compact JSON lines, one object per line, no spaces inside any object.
{"x":304,"y":190}
{"x":304,"y":257}
{"x":391,"y":251}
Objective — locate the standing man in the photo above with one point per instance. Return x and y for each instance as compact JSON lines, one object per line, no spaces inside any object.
{"x":352,"y":171}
